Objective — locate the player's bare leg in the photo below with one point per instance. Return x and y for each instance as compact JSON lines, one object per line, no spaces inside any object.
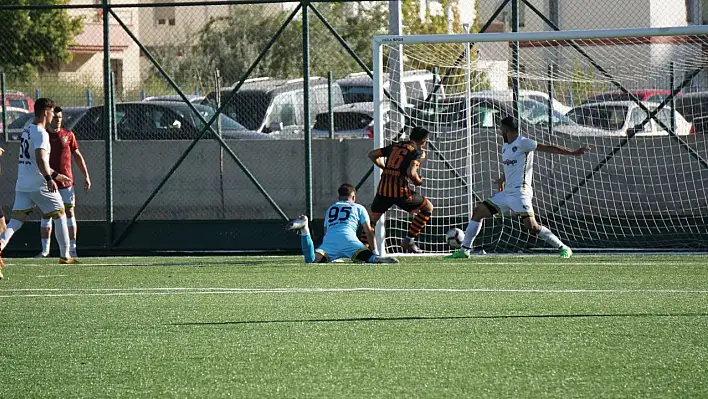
{"x":71,"y":224}
{"x":480,"y":212}
{"x":45,"y":232}
{"x":422,"y":216}
{"x":546,"y":235}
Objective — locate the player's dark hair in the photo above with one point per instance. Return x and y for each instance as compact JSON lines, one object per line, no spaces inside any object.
{"x":510,"y":122}
{"x":41,"y":105}
{"x":419,"y":134}
{"x":57,"y":110}
{"x":346,"y":190}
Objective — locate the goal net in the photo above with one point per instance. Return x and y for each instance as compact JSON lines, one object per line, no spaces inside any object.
{"x":635,"y":96}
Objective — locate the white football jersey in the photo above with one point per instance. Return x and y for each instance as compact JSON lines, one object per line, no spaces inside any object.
{"x":29,"y":178}
{"x":517,"y":159}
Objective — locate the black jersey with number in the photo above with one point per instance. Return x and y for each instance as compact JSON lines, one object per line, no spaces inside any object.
{"x":394,"y":179}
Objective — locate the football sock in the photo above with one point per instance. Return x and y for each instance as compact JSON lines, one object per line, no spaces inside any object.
{"x":418,"y":224}
{"x":473,"y":229}
{"x":61,"y":232}
{"x":46,"y":242}
{"x":308,"y":248}
{"x":12,"y":226}
{"x":546,"y":235}
{"x":71,"y":224}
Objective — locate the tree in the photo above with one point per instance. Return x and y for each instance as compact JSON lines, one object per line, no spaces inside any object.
{"x":35,"y":41}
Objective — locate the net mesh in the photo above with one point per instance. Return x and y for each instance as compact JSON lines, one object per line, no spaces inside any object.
{"x":643,"y":183}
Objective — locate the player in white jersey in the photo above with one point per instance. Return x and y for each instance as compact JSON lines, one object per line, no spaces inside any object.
{"x":515,"y":189}
{"x":342,"y":220}
{"x":36,"y":184}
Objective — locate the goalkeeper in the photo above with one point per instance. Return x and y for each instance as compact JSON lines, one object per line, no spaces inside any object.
{"x":515,"y":191}
{"x":340,"y":241}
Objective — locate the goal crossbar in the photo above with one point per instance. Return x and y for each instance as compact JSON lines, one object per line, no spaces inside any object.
{"x":691,"y":30}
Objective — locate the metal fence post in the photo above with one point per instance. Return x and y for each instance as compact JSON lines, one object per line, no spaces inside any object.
{"x":37,"y":93}
{"x":330,"y":98}
{"x":515,"y":57}
{"x":3,"y":91}
{"x":551,"y":73}
{"x":89,"y":97}
{"x":672,"y":83}
{"x":108,"y":121}
{"x":306,"y":105}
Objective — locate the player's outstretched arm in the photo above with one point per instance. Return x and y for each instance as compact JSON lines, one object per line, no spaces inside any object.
{"x":42,"y":158}
{"x":554,"y":149}
{"x":376,"y":156}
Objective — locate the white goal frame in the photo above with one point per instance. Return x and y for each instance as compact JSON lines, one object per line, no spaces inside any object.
{"x":473,"y":38}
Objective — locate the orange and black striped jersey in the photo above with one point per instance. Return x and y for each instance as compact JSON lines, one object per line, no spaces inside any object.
{"x":394,"y":179}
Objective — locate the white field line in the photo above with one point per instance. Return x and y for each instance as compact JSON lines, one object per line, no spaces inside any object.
{"x":62,"y":292}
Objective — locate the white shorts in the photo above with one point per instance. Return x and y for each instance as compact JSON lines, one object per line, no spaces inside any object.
{"x":502,"y":202}
{"x":67,"y":195}
{"x":48,"y":203}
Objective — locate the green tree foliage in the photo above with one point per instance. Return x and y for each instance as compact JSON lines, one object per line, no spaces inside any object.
{"x":35,"y":41}
{"x":231,"y":43}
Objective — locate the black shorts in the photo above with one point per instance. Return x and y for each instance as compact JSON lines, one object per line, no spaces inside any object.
{"x":409,"y":204}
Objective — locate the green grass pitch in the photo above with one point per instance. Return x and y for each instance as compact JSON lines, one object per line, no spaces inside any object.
{"x":493,"y":326}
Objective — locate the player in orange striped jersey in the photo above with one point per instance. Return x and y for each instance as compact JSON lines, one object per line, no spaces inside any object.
{"x":400,"y":168}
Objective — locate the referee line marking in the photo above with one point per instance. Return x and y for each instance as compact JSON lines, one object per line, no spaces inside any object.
{"x":62,"y":292}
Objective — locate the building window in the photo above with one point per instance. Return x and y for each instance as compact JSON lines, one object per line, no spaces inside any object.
{"x":164,"y":15}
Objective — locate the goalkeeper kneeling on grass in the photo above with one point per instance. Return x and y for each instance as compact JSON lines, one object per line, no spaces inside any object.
{"x":340,"y":240}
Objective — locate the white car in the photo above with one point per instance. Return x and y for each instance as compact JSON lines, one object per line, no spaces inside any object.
{"x":615,"y":118}
{"x":534,"y":95}
{"x":354,"y":120}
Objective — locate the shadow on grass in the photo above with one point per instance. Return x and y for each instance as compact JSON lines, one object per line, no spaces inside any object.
{"x":424,"y":318}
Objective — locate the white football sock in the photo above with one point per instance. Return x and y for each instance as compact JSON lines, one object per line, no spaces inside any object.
{"x":546,"y":235}
{"x":473,"y":228}
{"x":61,"y":232}
{"x":12,"y":226}
{"x":46,"y":242}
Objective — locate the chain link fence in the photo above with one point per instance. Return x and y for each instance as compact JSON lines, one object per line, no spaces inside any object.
{"x":247,"y":60}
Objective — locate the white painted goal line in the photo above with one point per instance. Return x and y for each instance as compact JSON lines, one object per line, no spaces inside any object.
{"x":74,"y":292}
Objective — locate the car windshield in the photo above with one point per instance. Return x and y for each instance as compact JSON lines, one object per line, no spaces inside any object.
{"x":358,"y":94}
{"x":608,"y":117}
{"x":248,"y":107}
{"x":535,"y":112}
{"x":226,"y":122}
{"x":22,"y":121}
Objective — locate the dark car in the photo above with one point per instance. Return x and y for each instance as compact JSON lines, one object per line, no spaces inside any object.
{"x":71,"y":116}
{"x":159,"y":121}
{"x":274,"y":105}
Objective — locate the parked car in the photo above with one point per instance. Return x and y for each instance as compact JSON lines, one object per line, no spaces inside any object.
{"x":651,"y":95}
{"x":71,"y":116}
{"x":159,"y":121}
{"x":417,"y":85}
{"x":276,"y":106}
{"x":18,"y":99}
{"x":449,"y":116}
{"x":694,"y":108}
{"x":12,"y":114}
{"x":354,"y":120}
{"x":615,"y":118}
{"x":194,"y":99}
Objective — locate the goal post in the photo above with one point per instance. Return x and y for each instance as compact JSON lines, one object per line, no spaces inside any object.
{"x":636,"y":96}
